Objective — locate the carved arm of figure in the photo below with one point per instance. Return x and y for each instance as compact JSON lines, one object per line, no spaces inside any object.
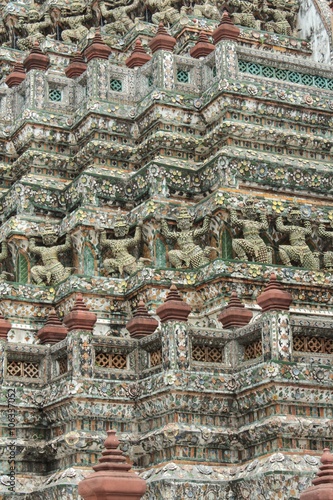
{"x":137,"y":236}
{"x":205,"y":227}
{"x":66,"y":246}
{"x":4,"y":251}
{"x":104,"y":241}
{"x":323,"y":233}
{"x":32,"y":246}
{"x":234,"y":220}
{"x":166,"y":231}
{"x":307,"y":228}
{"x":264,"y":221}
{"x":133,"y":6}
{"x":281,"y":227}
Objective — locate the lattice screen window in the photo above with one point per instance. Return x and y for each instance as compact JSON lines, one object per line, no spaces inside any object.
{"x":116,"y":85}
{"x":55,"y":95}
{"x":150,"y":80}
{"x":253,"y":350}
{"x":22,"y":369}
{"x":156,"y":357}
{"x":62,"y":365}
{"x":207,"y":354}
{"x":111,"y":360}
{"x":304,"y":343}
{"x":183,"y":76}
{"x":285,"y":75}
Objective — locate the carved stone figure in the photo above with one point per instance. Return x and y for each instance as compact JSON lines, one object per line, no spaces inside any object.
{"x":164,"y":11}
{"x":189,"y":255}
{"x":208,"y":9}
{"x":246,"y":13}
{"x":120,"y":21}
{"x":52,"y":271}
{"x":122,"y":261}
{"x":328,"y":256}
{"x":33,"y":29}
{"x":72,"y":25}
{"x":3,"y":256}
{"x":252,"y":246}
{"x":298,"y":251}
{"x":279,"y":18}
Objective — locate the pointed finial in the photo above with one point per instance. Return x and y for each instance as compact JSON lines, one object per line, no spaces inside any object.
{"x":203,"y":47}
{"x":162,"y":40}
{"x":226,"y":30}
{"x":139,"y":56}
{"x":235,"y":315}
{"x":274,"y":297}
{"x":112,"y":479}
{"x":173,"y":308}
{"x":141,"y":324}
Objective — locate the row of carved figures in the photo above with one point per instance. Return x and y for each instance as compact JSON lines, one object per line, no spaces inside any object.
{"x":71,"y":21}
{"x":188,"y":253}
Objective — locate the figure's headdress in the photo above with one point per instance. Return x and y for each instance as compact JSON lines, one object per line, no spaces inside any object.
{"x":249,"y":205}
{"x":120,"y":220}
{"x":49,"y":229}
{"x":294,"y":210}
{"x":183,"y":213}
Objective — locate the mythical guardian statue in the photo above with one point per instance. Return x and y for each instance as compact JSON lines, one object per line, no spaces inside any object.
{"x":252,"y":246}
{"x":189,"y":254}
{"x":122,"y":261}
{"x":328,"y":256}
{"x":298,"y":251}
{"x":52,"y":271}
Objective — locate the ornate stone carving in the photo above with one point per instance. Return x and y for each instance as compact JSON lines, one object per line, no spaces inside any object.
{"x":165,"y":11}
{"x":298,"y":251}
{"x":118,"y":17}
{"x":122,"y":261}
{"x":280,"y":16}
{"x":73,"y":25}
{"x":328,"y":256}
{"x":189,"y":253}
{"x":3,"y":256}
{"x":245,"y":13}
{"x":52,"y":271}
{"x":252,"y":246}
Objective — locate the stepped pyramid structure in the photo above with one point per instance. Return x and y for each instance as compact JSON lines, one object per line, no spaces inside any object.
{"x":160,"y":160}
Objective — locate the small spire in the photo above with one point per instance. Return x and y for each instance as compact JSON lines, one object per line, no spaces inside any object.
{"x":53,"y":331}
{"x":203,"y":47}
{"x":80,"y":318}
{"x":141,"y":324}
{"x":76,"y":67}
{"x":5,"y":326}
{"x":112,"y":478}
{"x":173,"y":308}
{"x":36,"y":59}
{"x":274,"y":297}
{"x":235,"y":315}
{"x":16,"y":76}
{"x":226,"y":30}
{"x":322,"y":488}
{"x":162,"y":40}
{"x":139,"y":56}
{"x":98,"y":48}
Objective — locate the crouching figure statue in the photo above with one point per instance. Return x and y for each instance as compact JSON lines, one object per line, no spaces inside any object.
{"x":52,"y":271}
{"x":252,"y":246}
{"x":189,"y":254}
{"x":298,"y":252}
{"x":122,"y":261}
